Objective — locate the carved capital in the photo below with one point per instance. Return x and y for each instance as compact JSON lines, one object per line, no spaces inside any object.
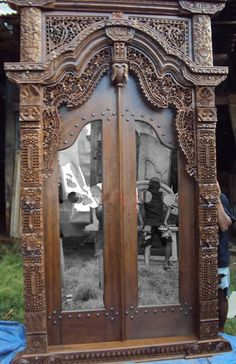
{"x":30,"y":34}
{"x":203,"y":7}
{"x":202,"y":40}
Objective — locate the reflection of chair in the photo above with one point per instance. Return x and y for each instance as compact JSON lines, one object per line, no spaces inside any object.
{"x":170,"y":202}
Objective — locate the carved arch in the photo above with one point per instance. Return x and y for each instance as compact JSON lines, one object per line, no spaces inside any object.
{"x":162,"y":84}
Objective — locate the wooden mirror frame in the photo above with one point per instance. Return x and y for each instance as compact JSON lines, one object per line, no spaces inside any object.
{"x":177,"y":50}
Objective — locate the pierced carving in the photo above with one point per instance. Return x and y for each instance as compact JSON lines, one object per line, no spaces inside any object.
{"x":73,"y":90}
{"x":207,"y":214}
{"x":202,"y":7}
{"x":175,"y":32}
{"x":61,"y":30}
{"x":206,"y":156}
{"x":30,"y":35}
{"x":202,"y":40}
{"x":208,"y":274}
{"x":209,"y":193}
{"x":162,"y":92}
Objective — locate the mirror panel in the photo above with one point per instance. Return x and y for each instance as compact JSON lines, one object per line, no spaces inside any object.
{"x":81,"y":221}
{"x":157,"y":222}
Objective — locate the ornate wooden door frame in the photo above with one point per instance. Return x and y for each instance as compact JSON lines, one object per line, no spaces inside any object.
{"x":176,"y":53}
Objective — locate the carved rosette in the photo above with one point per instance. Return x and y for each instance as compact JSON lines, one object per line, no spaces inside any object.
{"x":30,"y":34}
{"x":202,"y":40}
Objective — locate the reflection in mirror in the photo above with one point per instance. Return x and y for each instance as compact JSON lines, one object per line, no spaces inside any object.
{"x":81,"y":221}
{"x":157,"y":205}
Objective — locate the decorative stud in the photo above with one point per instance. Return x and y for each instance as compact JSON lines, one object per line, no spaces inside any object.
{"x":142,"y":115}
{"x":49,"y":317}
{"x":127,"y":110}
{"x":136,"y":312}
{"x":158,"y":125}
{"x":155,"y":310}
{"x":151,"y":119}
{"x":109,"y":119}
{"x":108,"y":109}
{"x":132,"y":114}
{"x":112,"y":308}
{"x":92,"y":114}
{"x":107,"y":314}
{"x":98,"y":314}
{"x":131,"y":317}
{"x":76,"y":125}
{"x":126,"y":312}
{"x":145,"y":311}
{"x":83,"y":118}
{"x":131,"y":307}
{"x":71,"y":133}
{"x":164,"y":310}
{"x":173,"y":310}
{"x":114,"y":114}
{"x":102,"y":113}
{"x":69,"y":316}
{"x":163,"y":134}
{"x":54,"y":312}
{"x":112,"y":318}
{"x":65,"y":141}
{"x":88,"y":315}
{"x":127,"y":119}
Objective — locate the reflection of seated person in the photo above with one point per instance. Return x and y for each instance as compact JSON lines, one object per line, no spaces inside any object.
{"x":155,"y":223}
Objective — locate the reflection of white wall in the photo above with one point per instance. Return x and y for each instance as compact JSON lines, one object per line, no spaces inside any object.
{"x":154,"y":157}
{"x":79,"y":154}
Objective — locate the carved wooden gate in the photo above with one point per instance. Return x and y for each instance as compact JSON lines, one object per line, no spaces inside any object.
{"x":115,"y":71}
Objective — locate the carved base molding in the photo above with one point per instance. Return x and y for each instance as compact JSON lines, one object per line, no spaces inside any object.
{"x":189,"y":349}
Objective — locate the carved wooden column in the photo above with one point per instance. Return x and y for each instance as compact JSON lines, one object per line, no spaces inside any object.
{"x":206,"y":173}
{"x":31,"y":136}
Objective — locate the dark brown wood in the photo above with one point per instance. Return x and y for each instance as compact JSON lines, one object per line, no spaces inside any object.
{"x":118,"y":63}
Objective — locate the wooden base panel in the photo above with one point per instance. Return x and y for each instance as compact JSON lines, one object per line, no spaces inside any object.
{"x":123,"y":353}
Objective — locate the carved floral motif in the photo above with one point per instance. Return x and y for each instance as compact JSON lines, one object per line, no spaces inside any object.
{"x":30,"y":35}
{"x":162,"y":92}
{"x":206,"y":155}
{"x":175,"y":32}
{"x":61,"y":30}
{"x":30,"y":156}
{"x":202,"y":40}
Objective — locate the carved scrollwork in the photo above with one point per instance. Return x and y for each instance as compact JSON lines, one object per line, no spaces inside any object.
{"x":162,"y":92}
{"x":121,"y":34}
{"x":174,"y":31}
{"x":202,"y":7}
{"x":73,"y":90}
{"x":61,"y":30}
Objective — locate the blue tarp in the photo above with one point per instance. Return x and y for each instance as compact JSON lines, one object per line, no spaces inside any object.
{"x":224,"y":358}
{"x":12,"y":340}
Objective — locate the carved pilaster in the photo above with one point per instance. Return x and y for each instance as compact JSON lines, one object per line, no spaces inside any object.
{"x":208,"y":195}
{"x":30,"y":34}
{"x":32,"y":216}
{"x":202,"y":40}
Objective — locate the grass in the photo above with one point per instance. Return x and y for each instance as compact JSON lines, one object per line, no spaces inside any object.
{"x":11,"y":286}
{"x":11,"y":282}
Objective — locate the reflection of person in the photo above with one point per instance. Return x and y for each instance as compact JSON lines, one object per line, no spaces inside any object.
{"x":225,"y":220}
{"x":155,"y":223}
